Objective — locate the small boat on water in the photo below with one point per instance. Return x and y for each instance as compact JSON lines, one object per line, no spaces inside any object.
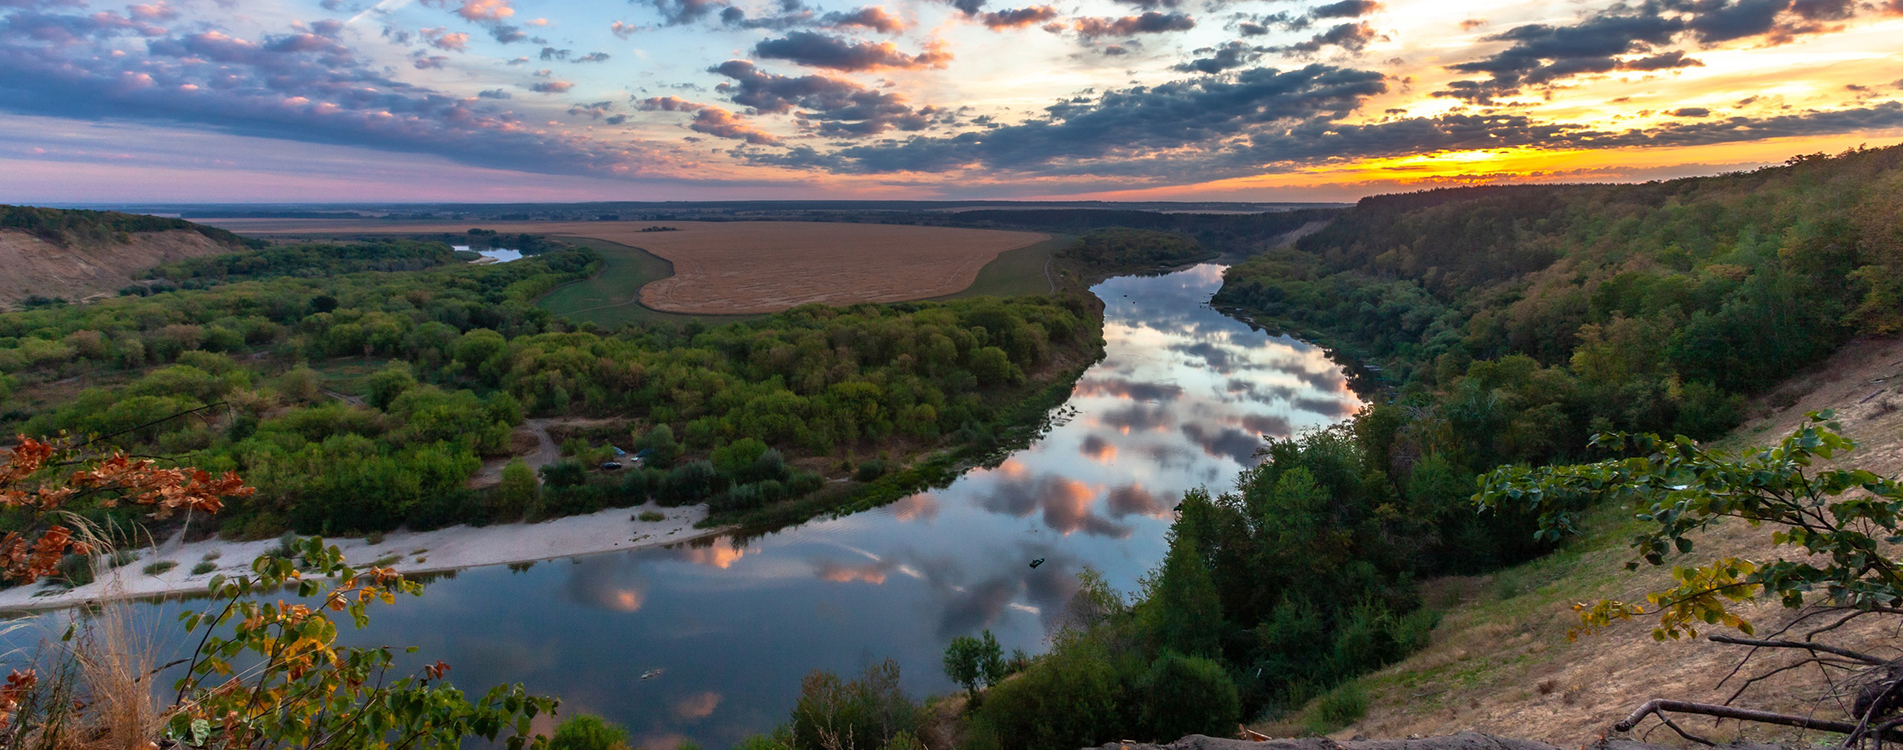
{"x":652,"y":673}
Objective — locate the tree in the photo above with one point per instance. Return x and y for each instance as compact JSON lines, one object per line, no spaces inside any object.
{"x":388,"y":383}
{"x":974,"y":661}
{"x":1183,"y":611}
{"x":1835,"y":529}
{"x":519,"y":493}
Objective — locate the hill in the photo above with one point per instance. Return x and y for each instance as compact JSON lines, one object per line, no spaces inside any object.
{"x":1500,"y":662}
{"x":75,"y":255}
{"x":1509,"y":324}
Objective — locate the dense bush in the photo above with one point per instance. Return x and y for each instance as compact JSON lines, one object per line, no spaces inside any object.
{"x":1136,"y":249}
{"x":305,"y":260}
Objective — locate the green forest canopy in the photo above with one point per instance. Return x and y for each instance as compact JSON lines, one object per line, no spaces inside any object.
{"x":741,"y":415}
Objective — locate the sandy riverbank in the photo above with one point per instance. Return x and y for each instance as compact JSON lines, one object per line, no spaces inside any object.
{"x":452,"y":548}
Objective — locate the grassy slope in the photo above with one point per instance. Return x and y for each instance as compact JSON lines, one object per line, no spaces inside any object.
{"x":610,"y":299}
{"x":1500,"y":661}
{"x":1023,"y":271}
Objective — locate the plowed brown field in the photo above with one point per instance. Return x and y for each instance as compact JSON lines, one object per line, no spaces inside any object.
{"x":741,"y":267}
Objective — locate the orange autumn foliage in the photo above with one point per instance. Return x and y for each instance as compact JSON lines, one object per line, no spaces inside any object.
{"x":29,"y":481}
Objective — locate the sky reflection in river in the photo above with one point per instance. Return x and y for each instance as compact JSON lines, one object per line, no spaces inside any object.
{"x":1181,"y":399}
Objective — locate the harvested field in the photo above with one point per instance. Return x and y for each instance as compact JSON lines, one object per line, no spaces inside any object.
{"x":744,"y":267}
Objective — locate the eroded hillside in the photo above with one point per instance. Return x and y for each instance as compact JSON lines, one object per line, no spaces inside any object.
{"x":1500,"y":661}
{"x":80,"y":270}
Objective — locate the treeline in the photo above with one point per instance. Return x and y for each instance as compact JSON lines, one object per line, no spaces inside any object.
{"x":306,"y":260}
{"x":65,"y":227}
{"x":448,"y":361}
{"x":1127,"y":250}
{"x":1220,"y":233}
{"x":1636,"y":307}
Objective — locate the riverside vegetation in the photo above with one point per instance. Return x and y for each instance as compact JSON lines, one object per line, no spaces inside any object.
{"x":360,"y":386}
{"x":1512,"y":324}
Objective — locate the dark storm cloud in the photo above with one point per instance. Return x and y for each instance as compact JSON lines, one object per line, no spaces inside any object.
{"x":1122,"y":122}
{"x":709,"y":120}
{"x":1213,"y":356}
{"x":1268,"y":425}
{"x":1064,"y":505}
{"x":1349,"y":36}
{"x":823,"y":51}
{"x":1148,"y":23}
{"x":1130,"y":389}
{"x":1019,"y":17}
{"x":1344,"y":9}
{"x":298,"y":86}
{"x":870,"y":17}
{"x":1227,"y":442}
{"x":1138,"y":417}
{"x":1332,"y":408}
{"x":1226,"y":57}
{"x":1133,"y":500}
{"x":828,"y":105}
{"x":1545,"y":53}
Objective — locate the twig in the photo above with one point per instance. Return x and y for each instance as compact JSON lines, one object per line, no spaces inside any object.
{"x":1658,"y":706}
{"x":1843,"y":652}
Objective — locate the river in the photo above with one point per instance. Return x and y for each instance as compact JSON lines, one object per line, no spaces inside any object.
{"x":1180,"y":400}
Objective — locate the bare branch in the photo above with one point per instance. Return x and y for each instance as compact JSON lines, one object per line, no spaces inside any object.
{"x":1843,"y":652}
{"x":1658,"y":706}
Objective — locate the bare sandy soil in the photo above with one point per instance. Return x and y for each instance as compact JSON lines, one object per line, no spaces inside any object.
{"x":452,"y":548}
{"x":37,"y":267}
{"x":747,"y":267}
{"x":1500,"y":661}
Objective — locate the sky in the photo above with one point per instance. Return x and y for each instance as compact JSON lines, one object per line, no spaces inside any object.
{"x":1248,"y":100}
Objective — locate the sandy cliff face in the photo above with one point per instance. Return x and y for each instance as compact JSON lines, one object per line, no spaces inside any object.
{"x":34,"y":266}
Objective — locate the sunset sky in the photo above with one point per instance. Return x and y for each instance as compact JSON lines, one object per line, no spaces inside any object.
{"x":535,"y":100}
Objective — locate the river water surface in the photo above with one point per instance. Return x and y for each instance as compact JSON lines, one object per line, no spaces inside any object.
{"x":1181,"y":400}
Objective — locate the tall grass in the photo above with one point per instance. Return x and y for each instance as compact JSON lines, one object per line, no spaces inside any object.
{"x":92,"y":686}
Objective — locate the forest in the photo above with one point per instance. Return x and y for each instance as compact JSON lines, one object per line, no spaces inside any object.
{"x":1500,"y":326}
{"x":1105,"y":252}
{"x":359,"y":387}
{"x":65,"y":227}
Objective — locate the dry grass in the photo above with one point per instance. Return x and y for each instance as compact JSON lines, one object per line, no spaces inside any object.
{"x":1500,"y":661}
{"x":748,"y":267}
{"x":35,"y":266}
{"x":100,"y":680}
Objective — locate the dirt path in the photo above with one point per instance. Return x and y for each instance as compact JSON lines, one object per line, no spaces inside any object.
{"x":546,"y":452}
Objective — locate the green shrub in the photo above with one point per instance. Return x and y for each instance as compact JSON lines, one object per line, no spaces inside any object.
{"x":1337,"y":708}
{"x":517,"y":495}
{"x":564,"y":473}
{"x":1186,"y":695}
{"x":204,"y":567}
{"x":158,"y":568}
{"x":1069,"y":699}
{"x":74,"y":570}
{"x":588,"y":732}
{"x":651,"y":516}
{"x":864,"y":713}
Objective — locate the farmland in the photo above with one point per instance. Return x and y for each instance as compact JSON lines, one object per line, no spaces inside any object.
{"x":730,"y":268}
